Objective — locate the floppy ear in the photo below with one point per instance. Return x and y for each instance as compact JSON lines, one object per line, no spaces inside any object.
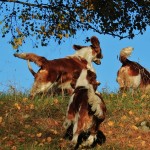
{"x":75,"y":77}
{"x":92,"y":79}
{"x":95,"y":43}
{"x":91,"y":76}
{"x":91,"y":73}
{"x":76,"y":74}
{"x":77,"y":47}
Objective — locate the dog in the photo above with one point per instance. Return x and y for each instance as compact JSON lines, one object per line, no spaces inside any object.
{"x":132,"y":74}
{"x":86,"y":111}
{"x":58,"y":72}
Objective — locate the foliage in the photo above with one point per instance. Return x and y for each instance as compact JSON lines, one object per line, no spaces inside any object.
{"x":46,"y":19}
{"x":37,"y":124}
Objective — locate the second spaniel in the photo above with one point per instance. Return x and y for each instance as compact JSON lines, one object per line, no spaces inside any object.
{"x":132,"y":74}
{"x":86,"y":111}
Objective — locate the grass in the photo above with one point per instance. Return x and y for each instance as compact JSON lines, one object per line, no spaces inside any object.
{"x":36,"y":124}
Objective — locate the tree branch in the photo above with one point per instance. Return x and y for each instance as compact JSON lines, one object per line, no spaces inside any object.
{"x":47,"y":6}
{"x":29,"y":4}
{"x":98,"y":31}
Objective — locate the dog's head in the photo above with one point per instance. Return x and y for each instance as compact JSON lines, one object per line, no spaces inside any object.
{"x":84,"y":78}
{"x":93,"y":52}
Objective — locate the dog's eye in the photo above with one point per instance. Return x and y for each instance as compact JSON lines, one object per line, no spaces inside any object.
{"x":99,"y":55}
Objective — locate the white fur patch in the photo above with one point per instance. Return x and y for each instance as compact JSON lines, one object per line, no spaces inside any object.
{"x":70,"y":101}
{"x":76,"y":123}
{"x":82,"y":80}
{"x":135,"y":81}
{"x":46,"y":86}
{"x":41,"y":87}
{"x":75,"y":138}
{"x":126,"y":51}
{"x":75,"y":134}
{"x":95,"y":103}
{"x":89,"y":141}
{"x":67,"y":122}
{"x":87,"y":54}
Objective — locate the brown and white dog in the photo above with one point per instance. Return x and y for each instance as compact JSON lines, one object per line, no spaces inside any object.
{"x":86,"y":111}
{"x":58,"y":72}
{"x":132,"y":74}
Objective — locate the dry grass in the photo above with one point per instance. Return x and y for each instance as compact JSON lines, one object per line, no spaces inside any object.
{"x":37,"y":124}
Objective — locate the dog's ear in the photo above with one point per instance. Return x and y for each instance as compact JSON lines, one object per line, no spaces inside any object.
{"x":91,"y":76}
{"x":75,"y":77}
{"x":95,"y":43}
{"x":76,"y":74}
{"x":78,"y":47}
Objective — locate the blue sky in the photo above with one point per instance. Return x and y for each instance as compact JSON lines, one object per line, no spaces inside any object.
{"x":14,"y":72}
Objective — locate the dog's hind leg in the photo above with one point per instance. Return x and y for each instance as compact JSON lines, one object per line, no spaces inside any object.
{"x":100,"y":138}
{"x":83,"y":139}
{"x":69,"y":133}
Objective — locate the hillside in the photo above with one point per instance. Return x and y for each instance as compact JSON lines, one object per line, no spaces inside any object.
{"x":37,"y":124}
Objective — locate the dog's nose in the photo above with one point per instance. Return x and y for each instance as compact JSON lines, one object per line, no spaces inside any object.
{"x":98,"y":83}
{"x":97,"y":61}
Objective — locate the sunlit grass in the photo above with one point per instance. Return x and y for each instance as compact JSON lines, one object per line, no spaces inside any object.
{"x":37,"y":124}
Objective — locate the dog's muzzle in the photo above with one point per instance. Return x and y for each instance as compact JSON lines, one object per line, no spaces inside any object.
{"x":97,"y":61}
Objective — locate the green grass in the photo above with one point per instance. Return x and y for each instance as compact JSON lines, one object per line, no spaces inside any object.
{"x":36,"y":124}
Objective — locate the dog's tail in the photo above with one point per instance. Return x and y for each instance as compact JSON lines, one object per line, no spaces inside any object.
{"x":30,"y":68}
{"x":125,"y":53}
{"x":40,"y":61}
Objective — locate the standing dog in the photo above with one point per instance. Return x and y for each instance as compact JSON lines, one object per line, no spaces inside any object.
{"x":59,"y":72}
{"x":132,"y":74}
{"x":86,"y":111}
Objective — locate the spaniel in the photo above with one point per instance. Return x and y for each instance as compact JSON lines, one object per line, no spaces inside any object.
{"x":58,"y":72}
{"x":86,"y":111}
{"x":132,"y":74}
